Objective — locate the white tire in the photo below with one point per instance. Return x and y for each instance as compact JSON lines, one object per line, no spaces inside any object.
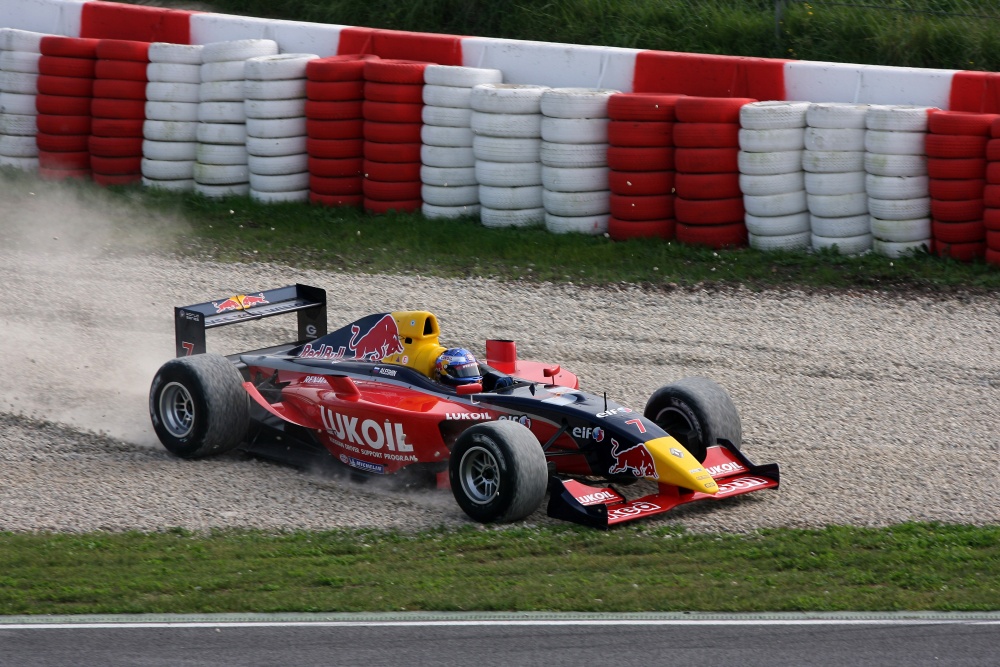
{"x":178,"y":112}
{"x":901,"y":231}
{"x":463,"y":77}
{"x":275,"y":147}
{"x":447,"y":157}
{"x":432,"y":212}
{"x":507,"y":98}
{"x":897,"y":118}
{"x":841,"y":226}
{"x":277,"y":67}
{"x":167,"y":130}
{"x":528,"y":196}
{"x":276,"y":128}
{"x":15,"y":146}
{"x":13,"y":39}
{"x":895,"y":143}
{"x":837,"y":183}
{"x":584,"y":224}
{"x":576,"y":102}
{"x":446,"y":116}
{"x":897,"y":187}
{"x":895,"y":250}
{"x":22,"y":163}
{"x":239,"y":49}
{"x":458,"y":195}
{"x":506,"y":124}
{"x":279,"y":182}
{"x":779,"y":225}
{"x":434,"y":135}
{"x":769,"y":141}
{"x":573,"y":155}
{"x":168,"y":170}
{"x":278,"y":165}
{"x":833,"y":139}
{"x":848,"y":245}
{"x":300,"y":196}
{"x":173,"y":73}
{"x":169,"y":150}
{"x":763,"y":164}
{"x":837,"y":115}
{"x":787,"y":242}
{"x":838,"y":206}
{"x":221,"y":174}
{"x":227,"y":70}
{"x":16,"y":103}
{"x":181,"y":54}
{"x":772,"y":184}
{"x":22,"y":125}
{"x":446,"y":176}
{"x":574,"y":179}
{"x":786,"y":203}
{"x":169,"y":185}
{"x":19,"y":61}
{"x":221,"y":133}
{"x":275,"y":108}
{"x":833,"y":161}
{"x":575,"y":130}
{"x":172,"y":92}
{"x":216,"y":191}
{"x":282,"y":89}
{"x":899,"y":209}
{"x":773,"y":115}
{"x":524,"y":217}
{"x":575,"y":204}
{"x":506,"y":149}
{"x":221,"y":154}
{"x":882,"y":164}
{"x":19,"y":82}
{"x":508,"y":174}
{"x":221,"y":91}
{"x":447,"y":96}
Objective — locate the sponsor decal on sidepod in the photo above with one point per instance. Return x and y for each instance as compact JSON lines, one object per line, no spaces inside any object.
{"x":369,"y":433}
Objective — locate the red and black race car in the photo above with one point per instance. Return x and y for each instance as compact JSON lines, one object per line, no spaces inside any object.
{"x":369,"y":396}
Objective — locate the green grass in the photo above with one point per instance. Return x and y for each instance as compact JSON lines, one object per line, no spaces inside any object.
{"x":905,"y":567}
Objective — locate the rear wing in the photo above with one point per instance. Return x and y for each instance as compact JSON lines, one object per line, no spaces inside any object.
{"x":191,"y":322}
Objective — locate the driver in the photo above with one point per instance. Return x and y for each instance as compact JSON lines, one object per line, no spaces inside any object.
{"x":457,"y":366}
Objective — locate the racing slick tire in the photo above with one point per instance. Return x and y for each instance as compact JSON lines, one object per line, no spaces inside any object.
{"x":198,"y":406}
{"x":498,"y":472}
{"x":696,"y":412}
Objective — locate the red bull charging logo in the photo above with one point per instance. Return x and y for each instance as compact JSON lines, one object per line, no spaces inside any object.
{"x":636,"y":459}
{"x":377,"y":343}
{"x":239,"y":302}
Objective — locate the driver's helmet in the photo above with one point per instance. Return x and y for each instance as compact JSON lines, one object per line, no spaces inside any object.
{"x":457,"y":366}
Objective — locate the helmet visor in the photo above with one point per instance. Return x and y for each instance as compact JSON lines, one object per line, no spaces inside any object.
{"x":464,"y":371}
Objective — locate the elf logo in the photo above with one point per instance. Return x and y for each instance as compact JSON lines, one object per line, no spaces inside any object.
{"x":584,"y":432}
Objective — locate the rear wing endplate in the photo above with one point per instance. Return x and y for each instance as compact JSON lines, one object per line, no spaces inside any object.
{"x":191,"y":322}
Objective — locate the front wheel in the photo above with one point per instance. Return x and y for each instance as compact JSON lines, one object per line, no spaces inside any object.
{"x":498,"y":472}
{"x":696,"y":412}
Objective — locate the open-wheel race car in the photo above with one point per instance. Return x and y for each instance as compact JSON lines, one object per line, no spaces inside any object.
{"x":382,"y":395}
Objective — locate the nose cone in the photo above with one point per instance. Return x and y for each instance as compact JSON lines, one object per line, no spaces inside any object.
{"x":675,"y":465}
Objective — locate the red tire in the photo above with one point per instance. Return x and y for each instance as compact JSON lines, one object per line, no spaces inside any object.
{"x":706,"y":160}
{"x":643,"y":106}
{"x":400,"y":93}
{"x":961,"y":252}
{"x":623,"y":230}
{"x":709,"y":212}
{"x":992,"y":256}
{"x":391,"y":171}
{"x":72,"y":161}
{"x":65,"y":86}
{"x":381,"y":152}
{"x":115,"y":147}
{"x":947,"y":189}
{"x":69,"y":125}
{"x":62,"y":143}
{"x":117,"y":127}
{"x":335,"y":148}
{"x":640,"y":133}
{"x":711,"y":109}
{"x":641,"y":182}
{"x":962,"y":210}
{"x":335,"y":200}
{"x":116,"y":179}
{"x":955,"y":167}
{"x":335,"y":186}
{"x":993,"y":150}
{"x":378,"y":206}
{"x":333,"y":110}
{"x":958,"y":232}
{"x":993,"y":173}
{"x":123,"y":49}
{"x":991,"y":196}
{"x":955,"y":145}
{"x":960,"y":122}
{"x":640,"y":159}
{"x":54,"y":174}
{"x":992,"y":239}
{"x":392,"y":133}
{"x":708,"y":186}
{"x":68,"y":47}
{"x":80,"y":68}
{"x":121,"y":109}
{"x":335,"y":129}
{"x":120,"y":69}
{"x":335,"y":91}
{"x":391,"y":112}
{"x":995,"y":128}
{"x":116,"y":166}
{"x":56,"y":105}
{"x":395,"y":71}
{"x":991,"y":219}
{"x":120,"y":89}
{"x":713,"y":236}
{"x":391,"y":190}
{"x":338,"y":68}
{"x":336,"y":168}
{"x":644,"y":207}
{"x":707,"y":135}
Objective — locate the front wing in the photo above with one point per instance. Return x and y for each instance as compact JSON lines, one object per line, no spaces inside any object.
{"x":604,"y":507}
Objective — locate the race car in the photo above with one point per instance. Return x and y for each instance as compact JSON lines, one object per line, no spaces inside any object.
{"x":382,"y":396}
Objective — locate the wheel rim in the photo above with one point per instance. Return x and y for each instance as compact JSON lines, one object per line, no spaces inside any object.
{"x":479,"y":475}
{"x":680,"y":428}
{"x":177,"y":409}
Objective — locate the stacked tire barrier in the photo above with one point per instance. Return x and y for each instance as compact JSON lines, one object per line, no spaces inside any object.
{"x":896,"y":179}
{"x":66,"y":87}
{"x":834,"y":165}
{"x":118,"y":111}
{"x":173,"y":92}
{"x":335,"y":92}
{"x":447,"y":137}
{"x":574,"y":156}
{"x":956,"y":164}
{"x":709,"y":205}
{"x":641,"y":165}
{"x":221,"y":168}
{"x":506,"y":120}
{"x":991,"y":195}
{"x":772,"y":138}
{"x":275,"y":91}
{"x":20,"y":51}
{"x":393,"y":121}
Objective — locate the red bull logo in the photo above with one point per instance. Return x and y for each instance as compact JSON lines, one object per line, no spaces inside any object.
{"x":239,"y":302}
{"x":378,"y":342}
{"x":636,"y":459}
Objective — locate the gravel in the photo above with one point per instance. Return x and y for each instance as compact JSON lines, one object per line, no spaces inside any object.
{"x":879,"y":409}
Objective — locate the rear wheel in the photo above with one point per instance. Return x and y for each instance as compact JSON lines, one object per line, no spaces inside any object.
{"x":198,"y":406}
{"x":498,"y":472}
{"x":696,"y":412}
